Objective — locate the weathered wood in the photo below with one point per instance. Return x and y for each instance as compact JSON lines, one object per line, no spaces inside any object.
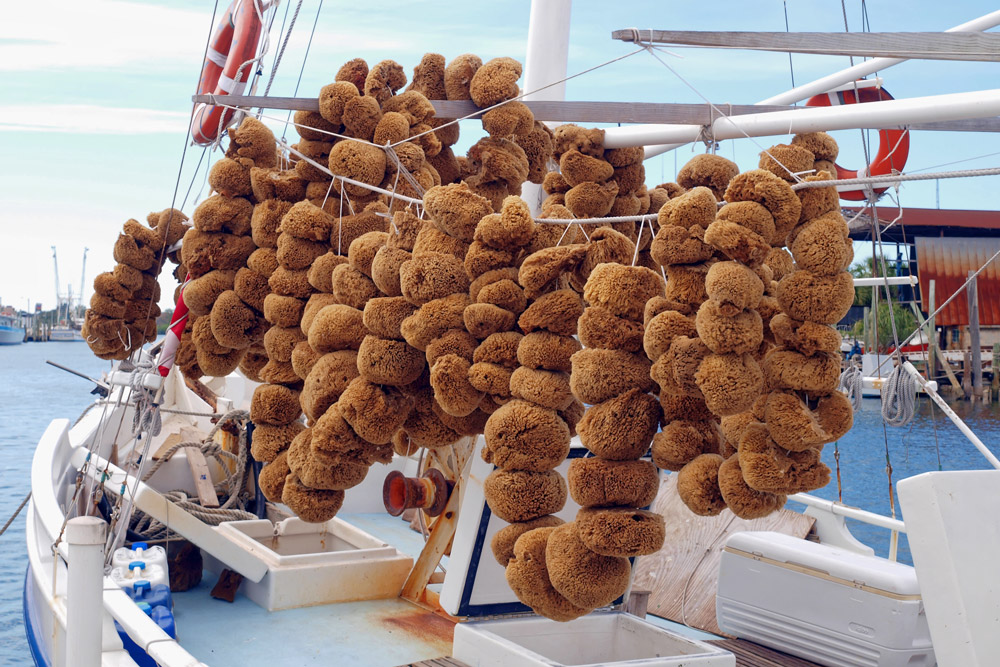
{"x":415,"y":587}
{"x":596,"y":112}
{"x":683,"y":576}
{"x":638,"y":602}
{"x":970,"y":46}
{"x":202,"y":477}
{"x":749,"y":654}
{"x":202,"y":392}
{"x":974,"y":345}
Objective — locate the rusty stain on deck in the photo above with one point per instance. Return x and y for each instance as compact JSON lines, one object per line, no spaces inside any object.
{"x":424,"y":625}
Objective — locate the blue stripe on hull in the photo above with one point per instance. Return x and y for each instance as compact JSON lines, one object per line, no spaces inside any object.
{"x":36,"y":642}
{"x":11,"y":335}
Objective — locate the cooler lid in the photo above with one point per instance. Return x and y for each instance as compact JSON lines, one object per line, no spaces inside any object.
{"x":852,"y":568}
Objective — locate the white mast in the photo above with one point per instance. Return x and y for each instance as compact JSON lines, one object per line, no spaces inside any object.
{"x":55,"y":261}
{"x":83,"y":276}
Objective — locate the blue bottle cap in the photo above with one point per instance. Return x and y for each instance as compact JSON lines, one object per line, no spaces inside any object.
{"x":139,"y":545}
{"x":141,"y":585}
{"x":137,"y":564}
{"x":145,"y":607}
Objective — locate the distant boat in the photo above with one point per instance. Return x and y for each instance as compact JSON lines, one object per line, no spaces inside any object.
{"x":11,"y":333}
{"x":64,"y":334}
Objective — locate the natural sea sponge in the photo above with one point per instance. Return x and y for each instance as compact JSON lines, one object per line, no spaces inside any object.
{"x":274,"y":404}
{"x":527,"y":574}
{"x":484,"y":319}
{"x":231,"y":177}
{"x":577,"y":168}
{"x":621,"y":428}
{"x":254,"y":359}
{"x":494,"y":82}
{"x":351,"y":287}
{"x":458,"y":76}
{"x":218,"y":365}
{"x":767,"y":467}
{"x":360,"y":162}
{"x":499,"y":348}
{"x":591,"y":200}
{"x":503,"y":541}
{"x":320,"y":275}
{"x":775,"y":194}
{"x":272,"y":478}
{"x":350,"y":227}
{"x":675,"y":244}
{"x":251,"y":287}
{"x":235,"y":324}
{"x":270,"y":183}
{"x":543,"y":268}
{"x":298,"y":254}
{"x":453,"y":341}
{"x":795,"y":427}
{"x":599,"y":375}
{"x":520,"y":495}
{"x":279,"y":372}
{"x":432,"y":239}
{"x":327,"y":380}
{"x":290,"y":282}
{"x":787,"y":369}
{"x":305,"y":220}
{"x":279,"y":342}
{"x":389,"y":362}
{"x":201,"y":335}
{"x":263,"y":260}
{"x":315,"y":303}
{"x":589,"y":141}
{"x":662,"y":329}
{"x":508,"y":119}
{"x":310,"y":505}
{"x":585,"y":578}
{"x":337,"y":327}
{"x":537,"y":147}
{"x":456,"y":209}
{"x":698,"y":485}
{"x":708,"y":170}
{"x":253,"y":140}
{"x":548,"y":389}
{"x":786,"y":161}
{"x":303,"y":359}
{"x":505,"y":294}
{"x":820,"y":144}
{"x":269,"y":441}
{"x":127,"y":251}
{"x":433,"y":319}
{"x":222,"y":214}
{"x":320,"y":469}
{"x":373,"y":411}
{"x":746,"y":503}
{"x":556,"y":312}
{"x":200,"y":293}
{"x":524,"y":436}
{"x":734,"y":286}
{"x":623,"y":532}
{"x":385,"y":270}
{"x":623,"y":290}
{"x":362,"y":251}
{"x":452,"y":389}
{"x":729,"y":382}
{"x":805,"y":337}
{"x":512,"y":228}
{"x":596,"y":482}
{"x":383,"y":316}
{"x":423,"y":427}
{"x":738,"y":243}
{"x":333,"y":434}
{"x":547,"y":351}
{"x":428,"y":276}
{"x":681,"y":441}
{"x":723,"y":333}
{"x":822,"y":245}
{"x":804,"y":295}
{"x":601,"y":328}
{"x":780,"y":262}
{"x":675,"y":370}
{"x":392,"y":128}
{"x":686,"y":284}
{"x":481,"y":258}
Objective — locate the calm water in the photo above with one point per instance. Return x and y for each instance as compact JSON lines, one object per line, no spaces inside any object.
{"x":32,"y":393}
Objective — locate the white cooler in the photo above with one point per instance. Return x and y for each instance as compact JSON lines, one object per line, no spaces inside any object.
{"x":825,"y":604}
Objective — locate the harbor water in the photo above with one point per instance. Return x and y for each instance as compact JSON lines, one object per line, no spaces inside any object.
{"x":32,"y":393}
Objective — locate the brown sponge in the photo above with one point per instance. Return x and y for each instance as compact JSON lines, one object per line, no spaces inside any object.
{"x":822,"y":245}
{"x":694,"y":207}
{"x":804,"y":295}
{"x":391,"y":362}
{"x":556,"y":312}
{"x":746,"y":503}
{"x":787,"y":369}
{"x":274,"y":404}
{"x":527,"y":575}
{"x":269,"y":440}
{"x":729,"y":333}
{"x":351,"y":287}
{"x":374,"y":412}
{"x":452,"y":389}
{"x":621,"y":428}
{"x":698,"y":485}
{"x":327,"y":380}
{"x":805,"y":337}
{"x":235,"y":324}
{"x":452,"y":341}
{"x":622,"y":532}
{"x":583,"y":577}
{"x":383,"y":316}
{"x":272,"y":478}
{"x":623,"y":290}
{"x":524,"y":436}
{"x":729,"y":382}
{"x":520,"y":495}
{"x":279,"y":342}
{"x":708,"y":170}
{"x":767,"y":467}
{"x":733,"y":284}
{"x":541,"y":269}
{"x":795,"y":427}
{"x":549,"y":389}
{"x":456,"y":209}
{"x":433,"y":319}
{"x":774,"y":193}
{"x":432,"y":275}
{"x":483,"y":319}
{"x":595,"y":482}
{"x":681,"y":441}
{"x":310,"y":505}
{"x":337,"y":327}
{"x":662,"y":329}
{"x":548,"y":351}
{"x":424,"y":427}
{"x":322,"y":469}
{"x":599,"y":375}
{"x":385,"y":269}
{"x":503,"y":541}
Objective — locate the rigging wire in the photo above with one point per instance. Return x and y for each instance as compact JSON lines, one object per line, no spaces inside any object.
{"x":302,"y":69}
{"x":791,"y":68}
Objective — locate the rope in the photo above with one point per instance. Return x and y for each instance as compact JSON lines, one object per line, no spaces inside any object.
{"x":851,"y":384}
{"x":899,"y":397}
{"x":897,"y":178}
{"x":281,"y":51}
{"x":146,"y":416}
{"x":16,"y":512}
{"x":192,"y":413}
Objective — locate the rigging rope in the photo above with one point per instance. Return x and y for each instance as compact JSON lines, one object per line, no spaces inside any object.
{"x":899,"y":397}
{"x":851,"y":384}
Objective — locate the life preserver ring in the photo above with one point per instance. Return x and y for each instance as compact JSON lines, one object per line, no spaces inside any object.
{"x":233,"y":43}
{"x":893,"y":145}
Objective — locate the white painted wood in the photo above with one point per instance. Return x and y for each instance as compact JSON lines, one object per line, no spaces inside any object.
{"x":911,"y":45}
{"x":85,"y":536}
{"x":954,"y":538}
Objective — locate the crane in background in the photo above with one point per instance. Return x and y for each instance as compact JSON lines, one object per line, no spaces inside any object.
{"x":55,"y":261}
{"x":83,"y":276}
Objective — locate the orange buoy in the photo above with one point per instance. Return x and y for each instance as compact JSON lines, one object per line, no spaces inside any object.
{"x":893,"y":147}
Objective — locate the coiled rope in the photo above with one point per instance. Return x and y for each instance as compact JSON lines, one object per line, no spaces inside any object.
{"x":851,"y":383}
{"x":899,"y":397}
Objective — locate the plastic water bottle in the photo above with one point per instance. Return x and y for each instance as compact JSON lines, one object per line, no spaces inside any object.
{"x":155,"y":596}
{"x":163,"y":617}
{"x":138,"y":570}
{"x":155,"y":555}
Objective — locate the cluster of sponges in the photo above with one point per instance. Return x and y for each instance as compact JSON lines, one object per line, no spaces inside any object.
{"x":780,"y":451}
{"x":225,"y":298}
{"x":123,"y":309}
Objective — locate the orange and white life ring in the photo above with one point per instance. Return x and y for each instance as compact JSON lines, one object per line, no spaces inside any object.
{"x":893,"y":146}
{"x":233,"y":44}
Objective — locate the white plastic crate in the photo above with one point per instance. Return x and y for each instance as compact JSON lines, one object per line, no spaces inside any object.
{"x":826,"y":604}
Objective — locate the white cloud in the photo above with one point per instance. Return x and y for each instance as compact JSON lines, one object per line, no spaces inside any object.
{"x":90,"y":119}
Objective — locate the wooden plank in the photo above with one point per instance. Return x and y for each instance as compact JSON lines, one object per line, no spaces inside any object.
{"x":599,"y":112}
{"x":971,"y":46}
{"x":683,"y":576}
{"x":415,"y":587}
{"x":202,"y":477}
{"x":749,"y":654}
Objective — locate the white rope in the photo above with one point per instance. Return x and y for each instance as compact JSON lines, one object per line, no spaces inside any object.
{"x":899,"y":397}
{"x":851,"y":383}
{"x":897,"y":178}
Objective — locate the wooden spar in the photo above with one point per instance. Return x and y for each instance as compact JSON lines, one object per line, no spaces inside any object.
{"x":969,"y":46}
{"x":599,"y":112}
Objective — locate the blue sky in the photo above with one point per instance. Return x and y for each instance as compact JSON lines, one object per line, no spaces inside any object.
{"x":95,"y":97}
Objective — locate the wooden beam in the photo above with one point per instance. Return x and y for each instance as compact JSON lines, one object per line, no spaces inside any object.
{"x":974,"y":46}
{"x":596,"y":112}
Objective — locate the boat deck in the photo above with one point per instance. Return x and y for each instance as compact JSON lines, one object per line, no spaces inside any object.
{"x":749,"y":654}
